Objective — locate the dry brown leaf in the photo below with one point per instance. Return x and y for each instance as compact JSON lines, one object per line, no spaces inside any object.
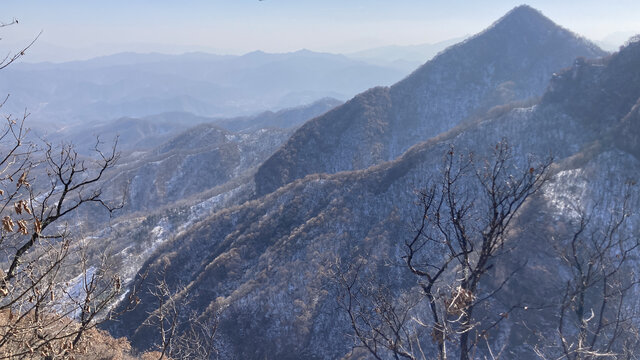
{"x":22,"y":180}
{"x":25,"y":207}
{"x":22,"y":227}
{"x":18,"y":207}
{"x":7,"y":223}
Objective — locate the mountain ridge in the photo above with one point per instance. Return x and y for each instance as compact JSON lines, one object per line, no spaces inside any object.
{"x":501,"y":64}
{"x":268,"y":260}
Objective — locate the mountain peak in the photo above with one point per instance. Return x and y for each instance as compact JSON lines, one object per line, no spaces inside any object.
{"x":524,"y":15}
{"x":524,"y":9}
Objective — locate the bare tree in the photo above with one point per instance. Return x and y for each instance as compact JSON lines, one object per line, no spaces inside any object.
{"x":43,"y":301}
{"x":182,"y":335}
{"x":466,"y":216}
{"x":50,"y":292}
{"x":165,"y":318}
{"x":597,"y":315}
{"x":382,"y":323}
{"x":198,"y":341}
{"x":10,"y":57}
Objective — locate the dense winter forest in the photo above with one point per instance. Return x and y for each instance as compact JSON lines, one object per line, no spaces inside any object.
{"x":307,"y":205}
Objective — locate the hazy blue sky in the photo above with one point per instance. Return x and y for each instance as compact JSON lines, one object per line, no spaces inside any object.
{"x":88,"y":27}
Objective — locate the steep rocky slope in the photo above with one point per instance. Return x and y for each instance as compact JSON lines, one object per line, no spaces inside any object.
{"x":511,"y":60}
{"x":199,"y":159}
{"x":166,"y":157}
{"x":169,"y":186}
{"x":268,"y":261}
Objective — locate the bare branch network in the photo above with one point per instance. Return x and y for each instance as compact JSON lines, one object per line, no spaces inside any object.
{"x":51,"y":292}
{"x":467,"y":215}
{"x":46,"y":308}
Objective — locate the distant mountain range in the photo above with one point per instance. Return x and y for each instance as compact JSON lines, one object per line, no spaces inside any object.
{"x":145,"y":133}
{"x":139,"y":85}
{"x":344,"y":186}
{"x":407,"y":57}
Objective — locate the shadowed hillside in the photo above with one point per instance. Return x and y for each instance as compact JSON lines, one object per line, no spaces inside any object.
{"x":511,"y":60}
{"x":269,"y":261}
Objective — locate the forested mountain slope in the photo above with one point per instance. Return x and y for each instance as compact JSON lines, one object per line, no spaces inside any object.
{"x":511,"y":60}
{"x":269,"y":261}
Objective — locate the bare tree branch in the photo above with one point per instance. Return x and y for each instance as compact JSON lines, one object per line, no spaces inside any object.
{"x":466,"y":214}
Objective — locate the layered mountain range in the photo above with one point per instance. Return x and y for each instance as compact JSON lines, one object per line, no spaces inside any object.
{"x":139,"y":85}
{"x":511,"y":60}
{"x":145,"y":133}
{"x":162,"y":164}
{"x":343,"y":186}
